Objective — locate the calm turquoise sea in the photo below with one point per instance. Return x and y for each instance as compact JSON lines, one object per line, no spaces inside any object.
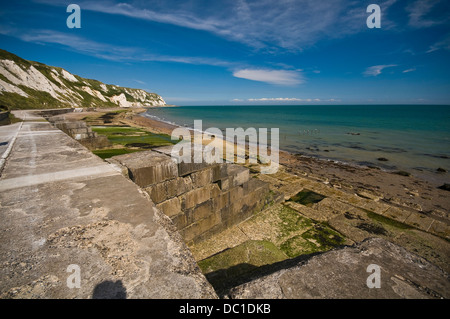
{"x":415,"y":138}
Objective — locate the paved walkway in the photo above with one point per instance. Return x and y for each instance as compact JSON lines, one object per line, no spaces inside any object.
{"x":65,"y":212}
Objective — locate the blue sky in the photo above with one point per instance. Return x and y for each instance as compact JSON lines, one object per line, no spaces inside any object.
{"x":220,"y":52}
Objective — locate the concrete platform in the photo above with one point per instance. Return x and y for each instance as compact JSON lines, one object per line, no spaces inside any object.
{"x":61,"y":206}
{"x":350,"y":273}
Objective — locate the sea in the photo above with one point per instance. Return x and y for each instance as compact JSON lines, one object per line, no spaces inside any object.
{"x":411,"y":138}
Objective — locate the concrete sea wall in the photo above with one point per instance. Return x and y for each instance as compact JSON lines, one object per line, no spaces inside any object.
{"x":201,"y":199}
{"x":80,"y":131}
{"x":71,"y":226}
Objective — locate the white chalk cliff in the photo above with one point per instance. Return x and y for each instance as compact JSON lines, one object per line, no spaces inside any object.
{"x":28,"y":84}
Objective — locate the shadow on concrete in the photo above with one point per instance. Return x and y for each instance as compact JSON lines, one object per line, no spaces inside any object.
{"x":224,"y":280}
{"x":110,"y":290}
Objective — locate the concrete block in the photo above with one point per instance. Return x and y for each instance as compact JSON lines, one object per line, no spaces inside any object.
{"x":218,"y":172}
{"x":95,"y":142}
{"x":252,"y":198}
{"x":180,"y":221}
{"x":74,"y":125}
{"x":419,"y":220}
{"x":188,"y":168}
{"x":189,"y":233}
{"x":210,"y":232}
{"x":241,"y":174}
{"x":236,"y":207}
{"x":147,"y":168}
{"x":170,"y":207}
{"x":94,"y":135}
{"x":209,"y":222}
{"x":79,"y":136}
{"x":193,"y":232}
{"x":74,"y":131}
{"x":225,"y":215}
{"x":254,"y":185}
{"x":178,"y":186}
{"x":215,"y":190}
{"x":199,"y":212}
{"x":236,"y":175}
{"x":196,"y":197}
{"x":236,"y":194}
{"x":157,"y":192}
{"x":233,"y":214}
{"x":225,"y":183}
{"x":246,"y":212}
{"x":117,"y":166}
{"x":221,"y":200}
{"x":397,"y":214}
{"x":201,"y":178}
{"x":183,"y":167}
{"x":440,"y":228}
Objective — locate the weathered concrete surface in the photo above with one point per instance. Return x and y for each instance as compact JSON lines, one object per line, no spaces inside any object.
{"x":80,"y":131}
{"x":61,"y":205}
{"x":148,"y":168}
{"x":342,"y":273}
{"x":8,"y":135}
{"x":183,"y":167}
{"x":203,"y":199}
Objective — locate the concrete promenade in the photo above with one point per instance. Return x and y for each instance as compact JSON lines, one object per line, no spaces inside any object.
{"x":71,"y":226}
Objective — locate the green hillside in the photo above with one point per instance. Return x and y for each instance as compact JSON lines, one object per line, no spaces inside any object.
{"x":29,"y":85}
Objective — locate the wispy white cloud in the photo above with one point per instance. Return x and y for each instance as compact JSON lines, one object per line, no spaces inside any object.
{"x":443,"y":44}
{"x":187,"y":60}
{"x":131,"y":54}
{"x":289,"y":25}
{"x":140,"y":82}
{"x":104,"y":50}
{"x":377,"y":69}
{"x":419,"y":13}
{"x":409,"y":70}
{"x":279,"y":77}
{"x":73,"y":42}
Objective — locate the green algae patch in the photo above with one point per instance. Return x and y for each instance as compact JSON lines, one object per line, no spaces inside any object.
{"x":297,"y":245}
{"x":293,"y":233}
{"x":307,"y":197}
{"x":276,"y":235}
{"x":318,"y":238}
{"x":131,"y":137}
{"x":291,"y":222}
{"x":387,"y":221}
{"x":231,"y":266}
{"x":107,"y":153}
{"x":246,"y":256}
{"x":127,"y":139}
